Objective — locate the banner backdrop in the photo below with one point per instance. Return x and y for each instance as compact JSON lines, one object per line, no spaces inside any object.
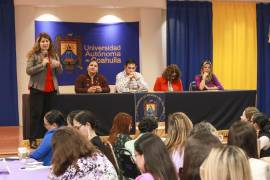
{"x":78,"y":43}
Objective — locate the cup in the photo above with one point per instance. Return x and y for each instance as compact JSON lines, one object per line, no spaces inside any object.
{"x":22,"y":152}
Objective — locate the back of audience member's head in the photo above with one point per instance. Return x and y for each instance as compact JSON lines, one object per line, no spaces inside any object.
{"x":197,"y":148}
{"x":71,"y":116}
{"x":157,"y":160}
{"x":248,"y":113}
{"x":147,"y":124}
{"x":55,"y":116}
{"x":68,"y":146}
{"x":121,"y":125}
{"x":179,"y":127}
{"x":261,"y":122}
{"x":84,"y":117}
{"x":203,"y":126}
{"x":226,"y":163}
{"x":243,"y":135}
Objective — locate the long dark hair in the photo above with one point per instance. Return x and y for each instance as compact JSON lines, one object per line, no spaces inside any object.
{"x":197,"y":148}
{"x":86,"y":116}
{"x":157,"y":160}
{"x":67,"y":147}
{"x":243,"y":135}
{"x":263,"y":122}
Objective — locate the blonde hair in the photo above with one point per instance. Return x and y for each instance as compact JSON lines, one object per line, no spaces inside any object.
{"x":179,"y":127}
{"x":249,"y":111}
{"x":227,"y":162}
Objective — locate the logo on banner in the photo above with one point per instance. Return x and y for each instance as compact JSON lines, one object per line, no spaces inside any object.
{"x":150,"y":105}
{"x":70,"y":50}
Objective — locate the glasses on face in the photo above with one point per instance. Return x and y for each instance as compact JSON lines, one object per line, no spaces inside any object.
{"x":78,"y":127}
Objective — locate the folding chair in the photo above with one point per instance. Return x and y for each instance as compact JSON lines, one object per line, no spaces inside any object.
{"x":127,"y":164}
{"x":109,"y":152}
{"x":192,"y":86}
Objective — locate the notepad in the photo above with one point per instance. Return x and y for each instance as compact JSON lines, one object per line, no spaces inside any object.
{"x":4,"y":169}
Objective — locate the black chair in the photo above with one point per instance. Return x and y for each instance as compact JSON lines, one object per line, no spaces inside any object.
{"x":127,"y":164}
{"x":109,"y":153}
{"x":192,"y":86}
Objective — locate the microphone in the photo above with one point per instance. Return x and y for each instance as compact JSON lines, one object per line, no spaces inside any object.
{"x":45,"y":53}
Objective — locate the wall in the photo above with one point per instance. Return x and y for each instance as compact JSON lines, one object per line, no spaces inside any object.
{"x":152,"y":36}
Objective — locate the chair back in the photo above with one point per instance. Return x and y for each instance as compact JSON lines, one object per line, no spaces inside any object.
{"x":127,"y":164}
{"x":109,"y":152}
{"x":192,"y":86}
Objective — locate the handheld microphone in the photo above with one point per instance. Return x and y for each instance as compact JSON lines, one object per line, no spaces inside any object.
{"x":45,"y":53}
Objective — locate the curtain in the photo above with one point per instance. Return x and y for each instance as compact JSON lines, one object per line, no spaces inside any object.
{"x":263,"y":31}
{"x":8,"y":75}
{"x":235,"y":44}
{"x":189,"y":36}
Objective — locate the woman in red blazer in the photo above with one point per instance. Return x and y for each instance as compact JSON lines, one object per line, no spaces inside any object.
{"x":170,"y":80}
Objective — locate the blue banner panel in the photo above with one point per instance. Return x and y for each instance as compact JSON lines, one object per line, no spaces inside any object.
{"x":78,"y":43}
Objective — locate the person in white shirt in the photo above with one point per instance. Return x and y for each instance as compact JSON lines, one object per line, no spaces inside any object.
{"x":262,"y":125}
{"x":243,"y":135}
{"x":129,"y":80}
{"x":148,"y":124}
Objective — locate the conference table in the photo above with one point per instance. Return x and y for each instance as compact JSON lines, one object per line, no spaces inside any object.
{"x":221,"y":108}
{"x":19,"y":170}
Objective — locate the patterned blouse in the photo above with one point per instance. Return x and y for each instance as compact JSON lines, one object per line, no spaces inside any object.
{"x":120,"y":143}
{"x":96,"y":167}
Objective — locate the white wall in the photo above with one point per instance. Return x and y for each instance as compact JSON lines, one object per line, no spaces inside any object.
{"x":152,"y":36}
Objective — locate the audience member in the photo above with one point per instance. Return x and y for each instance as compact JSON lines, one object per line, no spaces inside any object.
{"x":170,"y":80}
{"x":207,"y":80}
{"x":92,"y":81}
{"x":52,"y":120}
{"x":147,"y":124}
{"x":75,"y":158}
{"x":197,"y":148}
{"x":243,"y":135}
{"x":153,"y":159}
{"x":43,"y":65}
{"x":120,"y":132}
{"x":179,"y":127}
{"x":203,"y":126}
{"x":70,"y":117}
{"x":226,"y":163}
{"x":248,"y":113}
{"x":262,"y":126}
{"x":129,"y":80}
{"x":85,"y":121}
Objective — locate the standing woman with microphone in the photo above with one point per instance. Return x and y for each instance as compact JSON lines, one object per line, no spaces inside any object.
{"x":43,"y":65}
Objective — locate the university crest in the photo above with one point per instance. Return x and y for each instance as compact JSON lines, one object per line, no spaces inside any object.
{"x":150,"y":105}
{"x":70,"y":51}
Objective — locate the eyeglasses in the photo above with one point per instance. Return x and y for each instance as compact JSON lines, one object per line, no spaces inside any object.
{"x":78,"y":127}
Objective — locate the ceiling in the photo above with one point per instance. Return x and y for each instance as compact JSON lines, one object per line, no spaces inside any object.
{"x":161,"y":4}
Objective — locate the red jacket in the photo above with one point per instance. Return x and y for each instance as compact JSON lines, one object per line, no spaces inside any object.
{"x":161,"y":84}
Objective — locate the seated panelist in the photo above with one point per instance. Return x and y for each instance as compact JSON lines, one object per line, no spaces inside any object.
{"x":92,"y":81}
{"x":170,"y":80}
{"x":129,"y":80}
{"x":206,"y":80}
